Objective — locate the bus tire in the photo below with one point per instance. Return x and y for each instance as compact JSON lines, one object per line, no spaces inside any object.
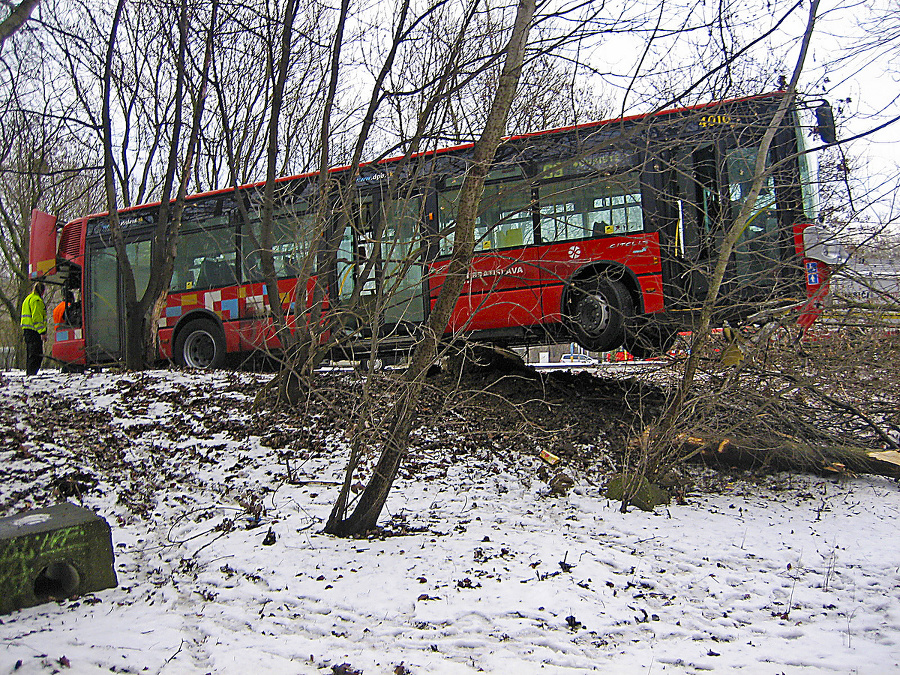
{"x":200,"y":344}
{"x":600,"y":308}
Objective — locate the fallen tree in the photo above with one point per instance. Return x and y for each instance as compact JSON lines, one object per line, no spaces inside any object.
{"x":787,"y":454}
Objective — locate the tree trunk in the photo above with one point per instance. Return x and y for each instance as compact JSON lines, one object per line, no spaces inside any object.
{"x":372,"y":500}
{"x":309,"y":347}
{"x":141,"y":314}
{"x":267,"y":236}
{"x":787,"y":455}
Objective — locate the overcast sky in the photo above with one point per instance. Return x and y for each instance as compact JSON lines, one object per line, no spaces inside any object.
{"x":847,"y":64}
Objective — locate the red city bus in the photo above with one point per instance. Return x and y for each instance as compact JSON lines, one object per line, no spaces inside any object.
{"x":603,"y":233}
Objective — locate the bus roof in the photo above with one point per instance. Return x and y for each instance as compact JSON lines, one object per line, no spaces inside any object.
{"x":457,"y":148}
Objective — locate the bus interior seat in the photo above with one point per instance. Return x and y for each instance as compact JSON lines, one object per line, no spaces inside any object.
{"x":600,"y":228}
{"x":214,"y":273}
{"x":510,"y":238}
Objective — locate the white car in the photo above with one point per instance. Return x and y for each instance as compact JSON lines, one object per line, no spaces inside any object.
{"x":578,"y":359}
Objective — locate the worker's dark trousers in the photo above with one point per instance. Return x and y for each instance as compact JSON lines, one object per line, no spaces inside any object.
{"x":34,"y":351}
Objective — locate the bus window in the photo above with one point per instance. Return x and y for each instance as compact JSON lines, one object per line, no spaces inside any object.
{"x":758,"y":248}
{"x":345,"y":257}
{"x":205,"y":258}
{"x":504,"y":219}
{"x":448,"y":204}
{"x":294,"y":235}
{"x":295,"y":238}
{"x":355,"y":250}
{"x":707,"y":202}
{"x":807,"y":178}
{"x":578,"y":209}
{"x":138,"y":253}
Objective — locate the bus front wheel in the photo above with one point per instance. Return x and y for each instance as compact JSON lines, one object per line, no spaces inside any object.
{"x":200,"y":344}
{"x":598,"y":311}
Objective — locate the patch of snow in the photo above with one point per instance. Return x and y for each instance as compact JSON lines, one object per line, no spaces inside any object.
{"x":798,"y":575}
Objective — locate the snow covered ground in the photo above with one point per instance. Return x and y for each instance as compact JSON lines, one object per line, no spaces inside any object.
{"x":495,"y":574}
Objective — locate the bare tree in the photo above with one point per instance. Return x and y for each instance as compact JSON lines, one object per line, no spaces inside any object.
{"x":266,"y":226}
{"x":38,"y":169}
{"x":43,"y":164}
{"x":16,"y":18}
{"x":143,"y":308}
{"x":373,"y":498}
{"x":659,"y":441}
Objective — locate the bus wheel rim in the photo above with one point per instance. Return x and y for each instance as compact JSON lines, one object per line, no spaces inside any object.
{"x":199,"y":349}
{"x":593,"y":314}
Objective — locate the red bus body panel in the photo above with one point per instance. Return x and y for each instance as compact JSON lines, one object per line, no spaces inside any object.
{"x":525,"y":287}
{"x":818,"y":281}
{"x":69,"y":345}
{"x":42,"y":245}
{"x":502,"y":289}
{"x":243,"y":311}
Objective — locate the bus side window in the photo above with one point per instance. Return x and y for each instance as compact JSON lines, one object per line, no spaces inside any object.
{"x":294,"y":239}
{"x":448,"y":203}
{"x":205,"y":258}
{"x":504,"y":219}
{"x":214,"y":273}
{"x":591,"y":207}
{"x":505,"y":216}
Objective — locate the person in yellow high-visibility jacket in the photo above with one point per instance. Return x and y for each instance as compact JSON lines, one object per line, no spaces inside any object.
{"x":34,"y":328}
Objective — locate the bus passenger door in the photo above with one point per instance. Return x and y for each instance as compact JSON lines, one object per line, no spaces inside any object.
{"x":102,"y":331}
{"x":697,"y":224}
{"x":757,"y":253}
{"x":105,"y":325}
{"x":355,"y":277}
{"x":401,"y":257}
{"x":384,"y":269}
{"x":714,"y":183}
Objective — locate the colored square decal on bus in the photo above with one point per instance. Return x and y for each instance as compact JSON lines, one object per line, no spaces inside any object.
{"x":231,"y":308}
{"x":72,"y":334}
{"x":211,"y":298}
{"x":256,"y":303}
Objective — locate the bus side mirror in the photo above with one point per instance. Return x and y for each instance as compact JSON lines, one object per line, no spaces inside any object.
{"x":819,"y":245}
{"x":825,"y":123}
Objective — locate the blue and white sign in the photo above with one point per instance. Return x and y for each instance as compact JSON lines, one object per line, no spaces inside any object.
{"x":812,"y":273}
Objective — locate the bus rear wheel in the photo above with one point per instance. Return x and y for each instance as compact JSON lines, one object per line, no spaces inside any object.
{"x":200,"y":344}
{"x":600,"y":308}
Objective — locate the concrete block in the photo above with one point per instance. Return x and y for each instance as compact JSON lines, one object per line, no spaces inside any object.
{"x":53,"y":553}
